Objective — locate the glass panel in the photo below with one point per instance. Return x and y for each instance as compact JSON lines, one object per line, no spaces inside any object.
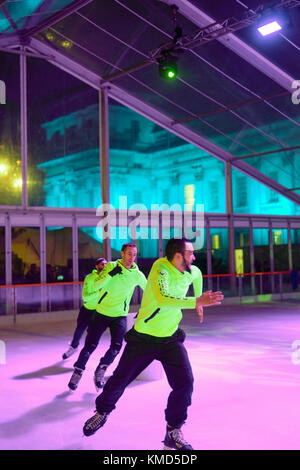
{"x":28,"y":13}
{"x":252,"y":197}
{"x":2,"y":256}
{"x":89,"y":249}
{"x":63,"y":148}
{"x":219,"y":250}
{"x":282,"y":167}
{"x":173,"y":171}
{"x":201,"y":258}
{"x":10,"y":159}
{"x":26,"y":267}
{"x":59,"y":267}
{"x":280,"y":247}
{"x":59,"y":253}
{"x":25,"y":242}
{"x":295,"y":240}
{"x":261,"y":249}
{"x":242,"y":250}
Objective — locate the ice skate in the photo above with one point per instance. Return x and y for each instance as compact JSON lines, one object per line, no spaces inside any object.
{"x":76,"y":376}
{"x":94,"y":423}
{"x":99,"y":377}
{"x":69,"y":352}
{"x":174,"y":440}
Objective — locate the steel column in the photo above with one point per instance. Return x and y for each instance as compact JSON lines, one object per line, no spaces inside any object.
{"x":43,"y":271}
{"x":272,"y":264}
{"x":75,"y":249}
{"x":8,"y":251}
{"x":75,"y":270}
{"x":252,"y":256}
{"x":229,"y":212}
{"x":208,"y":255}
{"x":290,"y":252}
{"x":104,"y":160}
{"x":23,"y":94}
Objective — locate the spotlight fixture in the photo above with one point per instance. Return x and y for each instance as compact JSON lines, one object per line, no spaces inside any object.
{"x":167,"y":67}
{"x":269,"y":28}
{"x":272,"y":20}
{"x":167,"y":58}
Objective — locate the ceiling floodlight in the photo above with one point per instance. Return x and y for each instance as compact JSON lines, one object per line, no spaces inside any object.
{"x":167,"y":68}
{"x":272,"y":20}
{"x":269,"y":28}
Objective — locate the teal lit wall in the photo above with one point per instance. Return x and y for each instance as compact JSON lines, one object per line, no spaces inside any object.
{"x":149,"y":166}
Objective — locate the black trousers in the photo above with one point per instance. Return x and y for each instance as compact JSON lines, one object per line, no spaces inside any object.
{"x":83,"y":320}
{"x":97,"y":326}
{"x":139,"y":352}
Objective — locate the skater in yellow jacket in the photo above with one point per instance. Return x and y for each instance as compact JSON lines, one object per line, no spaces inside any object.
{"x":90,"y":297}
{"x":156,"y":335}
{"x":116,"y":284}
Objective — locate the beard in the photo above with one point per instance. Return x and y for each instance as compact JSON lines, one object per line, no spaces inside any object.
{"x":186,"y":266}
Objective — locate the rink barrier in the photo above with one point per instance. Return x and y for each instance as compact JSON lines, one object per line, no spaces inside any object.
{"x":18,"y":299}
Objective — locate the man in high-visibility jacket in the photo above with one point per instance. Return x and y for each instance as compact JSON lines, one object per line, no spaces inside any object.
{"x":156,"y":335}
{"x":90,"y":297}
{"x":117,"y":282}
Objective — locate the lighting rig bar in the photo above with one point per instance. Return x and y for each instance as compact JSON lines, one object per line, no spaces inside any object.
{"x":204,"y":35}
{"x":220,"y":28}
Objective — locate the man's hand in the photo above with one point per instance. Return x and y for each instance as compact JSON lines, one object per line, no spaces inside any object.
{"x":200,"y":313}
{"x":117,"y":270}
{"x":209,"y":298}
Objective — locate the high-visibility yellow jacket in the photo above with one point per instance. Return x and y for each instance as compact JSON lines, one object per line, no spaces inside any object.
{"x":165,"y":296}
{"x":116,"y":291}
{"x":90,"y":295}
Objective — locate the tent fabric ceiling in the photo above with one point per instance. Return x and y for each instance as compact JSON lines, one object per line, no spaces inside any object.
{"x":218,"y":95}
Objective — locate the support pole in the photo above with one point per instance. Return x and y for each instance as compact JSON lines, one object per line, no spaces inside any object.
{"x":8,"y":251}
{"x":75,"y":263}
{"x":290,"y":253}
{"x":271,"y":251}
{"x":252,"y":257}
{"x":104,"y":161}
{"x":43,"y":249}
{"x":229,"y":212}
{"x":23,"y":94}
{"x":208,"y":255}
{"x":43,"y":271}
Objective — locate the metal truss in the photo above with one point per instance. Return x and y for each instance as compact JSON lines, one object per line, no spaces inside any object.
{"x":229,"y":40}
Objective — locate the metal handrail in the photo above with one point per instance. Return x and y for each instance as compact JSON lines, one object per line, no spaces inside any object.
{"x":204,"y":275}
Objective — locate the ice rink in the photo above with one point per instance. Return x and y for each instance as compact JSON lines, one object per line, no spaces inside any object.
{"x":246,"y":394}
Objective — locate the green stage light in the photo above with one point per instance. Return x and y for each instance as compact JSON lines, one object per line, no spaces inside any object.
{"x":167,"y":68}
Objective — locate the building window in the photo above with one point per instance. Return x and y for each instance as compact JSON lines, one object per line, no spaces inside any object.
{"x":273,"y":196}
{"x":242,"y":240}
{"x":241,"y":190}
{"x":277,"y":237}
{"x":214,"y":194}
{"x":189,"y":195}
{"x":216,"y":242}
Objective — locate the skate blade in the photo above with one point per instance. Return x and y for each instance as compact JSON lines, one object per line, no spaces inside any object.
{"x":167,"y":448}
{"x":98,"y":388}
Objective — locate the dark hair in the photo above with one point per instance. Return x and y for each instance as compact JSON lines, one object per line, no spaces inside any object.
{"x":175,"y":245}
{"x":126,"y":245}
{"x":99,"y":260}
